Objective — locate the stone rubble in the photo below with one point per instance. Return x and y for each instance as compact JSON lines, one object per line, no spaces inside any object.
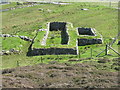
{"x":25,"y":38}
{"x":84,"y":9}
{"x":8,"y":35}
{"x":22,"y":37}
{"x":9,"y":52}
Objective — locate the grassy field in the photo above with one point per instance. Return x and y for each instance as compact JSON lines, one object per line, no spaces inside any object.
{"x":26,"y":21}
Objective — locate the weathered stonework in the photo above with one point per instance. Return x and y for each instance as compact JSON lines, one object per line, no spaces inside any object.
{"x":52,"y":51}
{"x":86,"y":31}
{"x":82,"y":42}
{"x":60,"y":26}
{"x":55,"y":26}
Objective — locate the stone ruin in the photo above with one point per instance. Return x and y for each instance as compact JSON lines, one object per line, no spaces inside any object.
{"x":86,"y":31}
{"x":52,"y":51}
{"x":60,"y":26}
{"x":82,"y":42}
{"x":21,"y":37}
{"x":55,"y":26}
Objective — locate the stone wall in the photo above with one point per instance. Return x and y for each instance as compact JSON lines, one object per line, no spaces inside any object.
{"x":52,"y":51}
{"x":64,"y":37}
{"x":21,"y":37}
{"x":86,"y":31}
{"x":82,"y":42}
{"x":54,"y":26}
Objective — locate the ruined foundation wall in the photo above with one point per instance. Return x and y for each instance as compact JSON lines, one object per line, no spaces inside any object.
{"x":64,"y":37}
{"x":82,"y":42}
{"x":55,"y":26}
{"x":86,"y":31}
{"x":53,"y":51}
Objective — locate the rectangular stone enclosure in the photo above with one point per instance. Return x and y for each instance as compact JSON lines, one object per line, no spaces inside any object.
{"x":60,"y":26}
{"x":83,"y":42}
{"x":55,"y":26}
{"x":86,"y":31}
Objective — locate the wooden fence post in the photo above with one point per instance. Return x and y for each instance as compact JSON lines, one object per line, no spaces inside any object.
{"x":41,"y":60}
{"x":91,"y":52}
{"x":58,"y":58}
{"x":106,"y":50}
{"x":79,"y":54}
{"x":17,"y":63}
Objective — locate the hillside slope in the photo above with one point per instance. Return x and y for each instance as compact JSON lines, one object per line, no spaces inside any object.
{"x":59,"y":76}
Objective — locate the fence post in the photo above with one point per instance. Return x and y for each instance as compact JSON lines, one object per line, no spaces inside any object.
{"x":17,"y":63}
{"x":41,"y":60}
{"x":91,"y":52}
{"x":106,"y":50}
{"x":79,"y":54}
{"x":58,"y":58}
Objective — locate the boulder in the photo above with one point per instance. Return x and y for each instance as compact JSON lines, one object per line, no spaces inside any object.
{"x":22,"y":37}
{"x":84,"y":9}
{"x":6,"y":35}
{"x":11,"y":50}
{"x":7,"y":53}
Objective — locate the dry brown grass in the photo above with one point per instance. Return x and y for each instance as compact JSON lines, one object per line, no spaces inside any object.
{"x":60,"y":76}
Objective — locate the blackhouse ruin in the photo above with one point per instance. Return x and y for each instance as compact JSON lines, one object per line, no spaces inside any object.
{"x":86,"y":31}
{"x":64,"y":30}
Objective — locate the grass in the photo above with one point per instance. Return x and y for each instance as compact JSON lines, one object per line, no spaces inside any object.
{"x":54,"y":38}
{"x":38,"y":39}
{"x":13,"y":4}
{"x":14,"y":42}
{"x":90,"y":18}
{"x":26,"y":21}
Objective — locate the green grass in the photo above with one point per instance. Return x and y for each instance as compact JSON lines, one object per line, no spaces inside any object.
{"x":101,"y":19}
{"x":38,"y":39}
{"x":25,"y":21}
{"x":54,"y":38}
{"x":12,"y":43}
{"x":13,"y":4}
